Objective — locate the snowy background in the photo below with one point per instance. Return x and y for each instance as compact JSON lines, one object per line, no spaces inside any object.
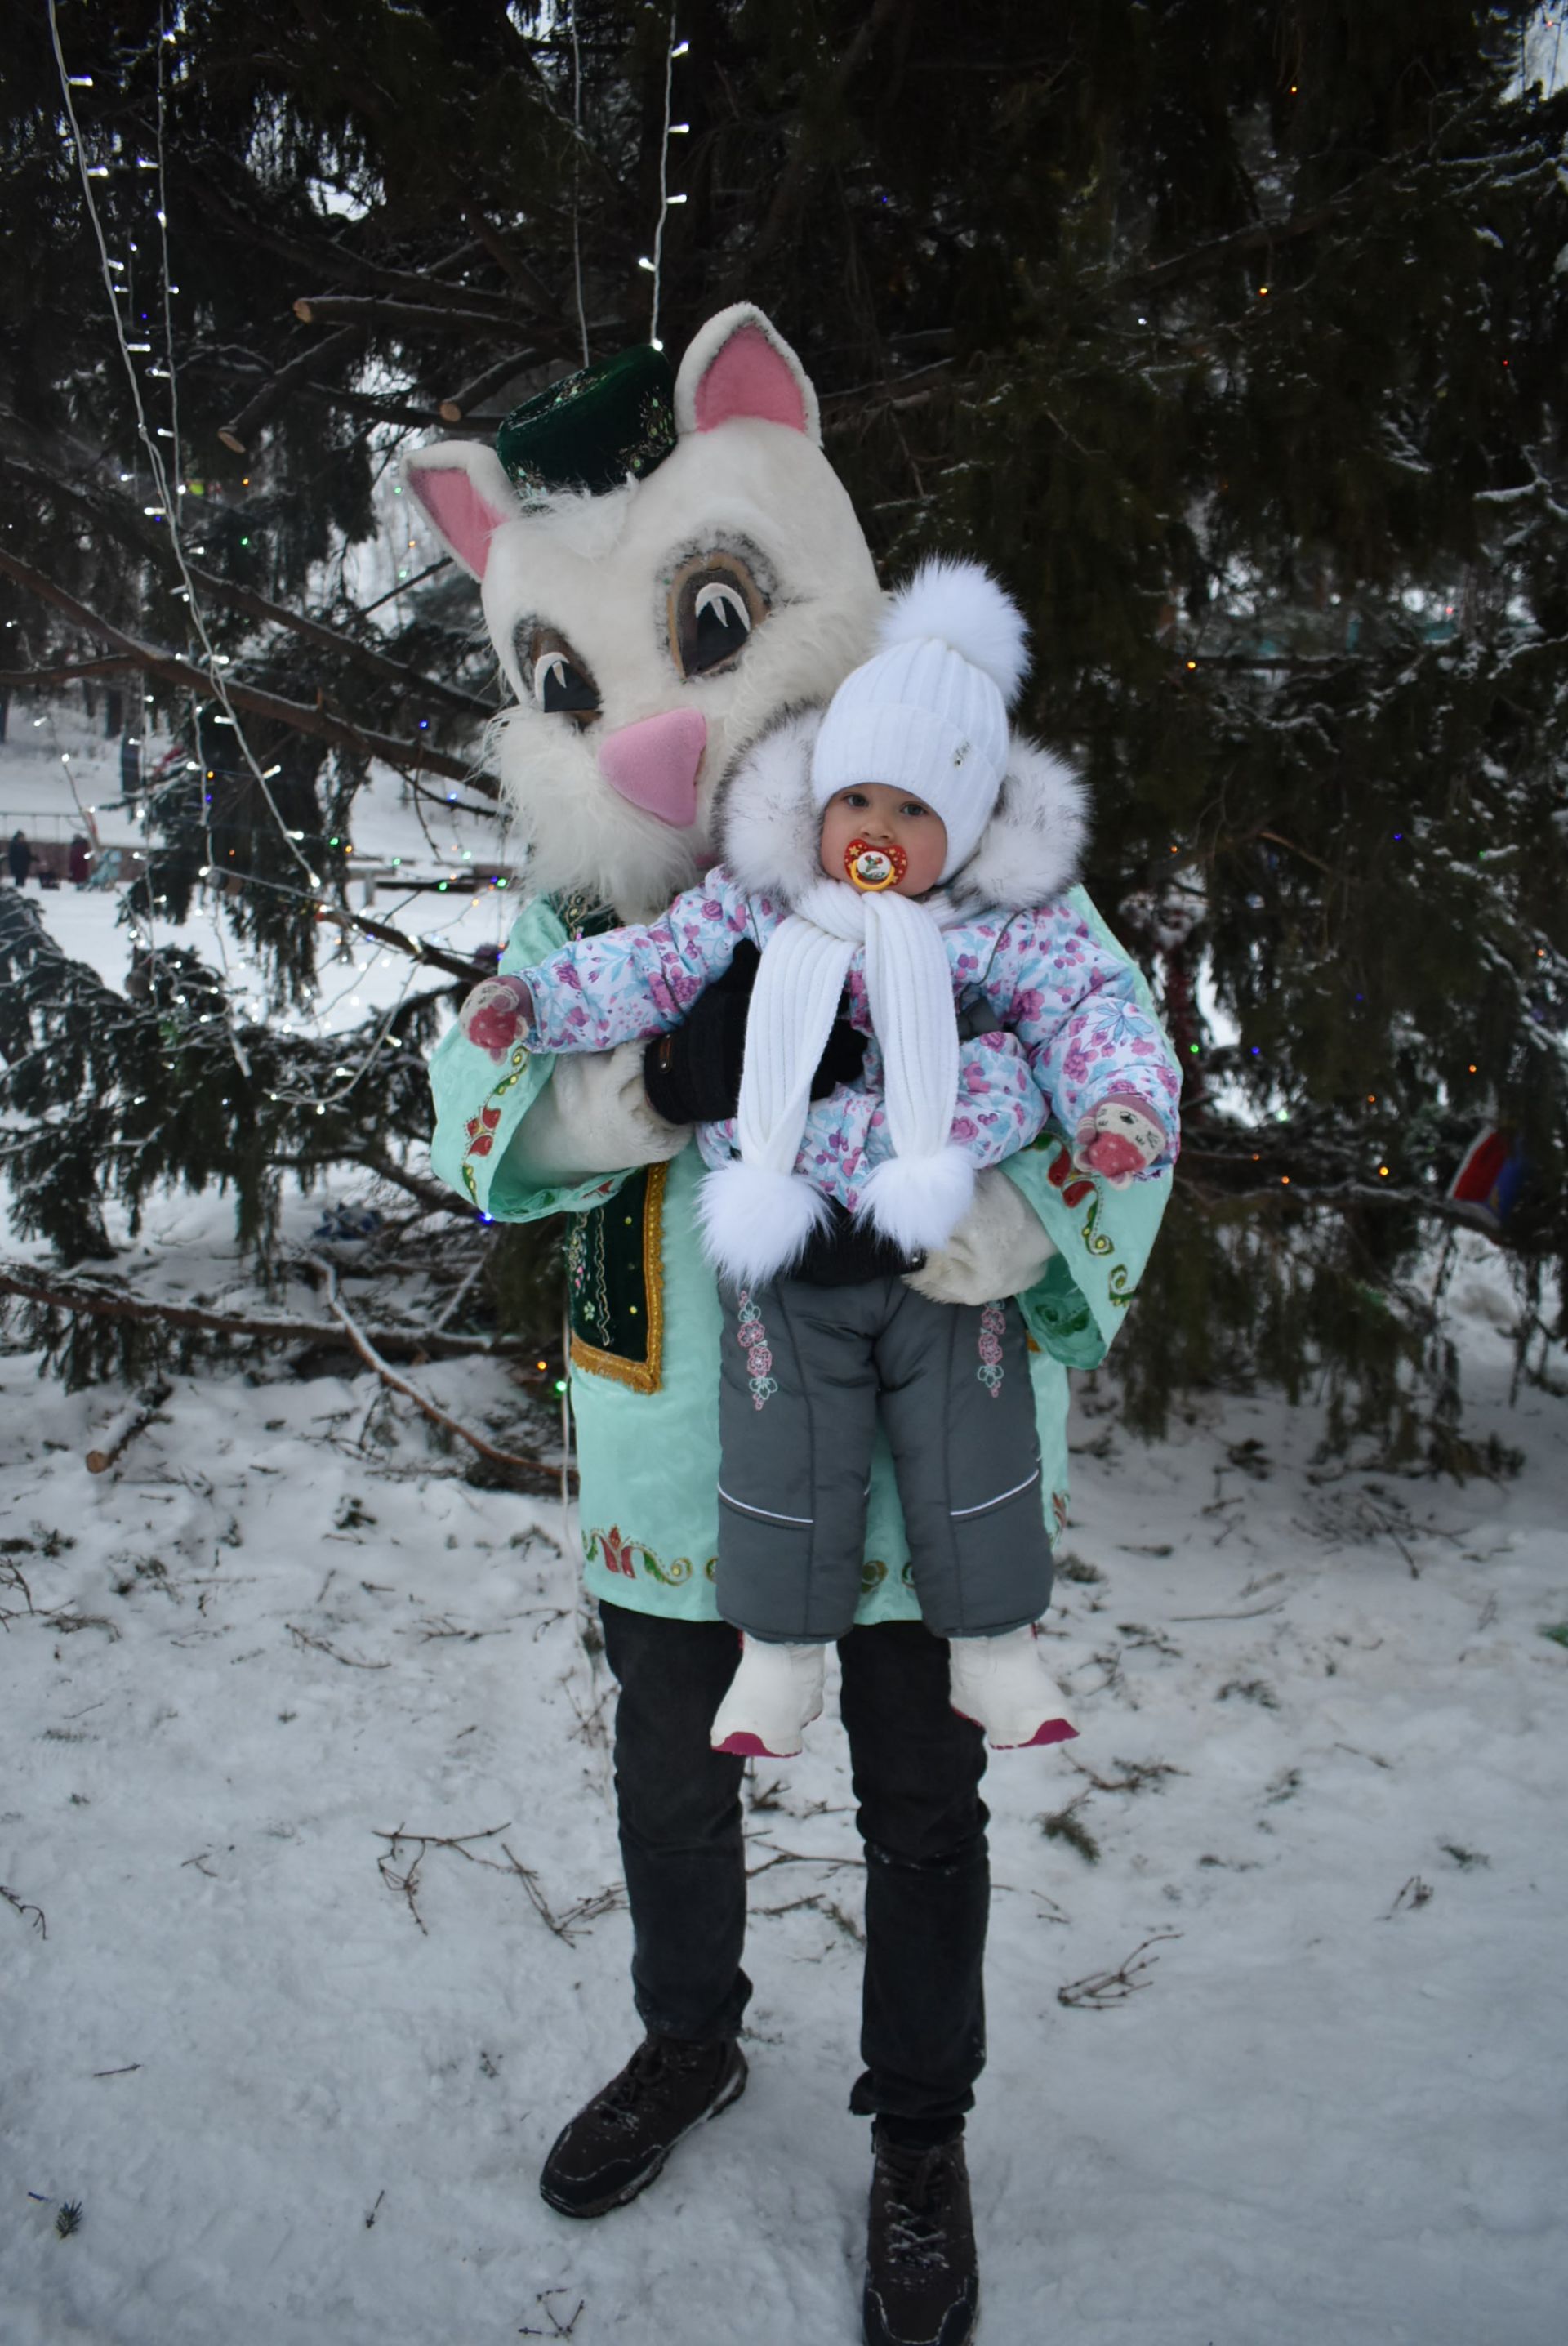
{"x":312,"y":1936}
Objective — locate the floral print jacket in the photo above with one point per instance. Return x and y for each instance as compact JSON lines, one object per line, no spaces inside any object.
{"x":1070,"y":1030}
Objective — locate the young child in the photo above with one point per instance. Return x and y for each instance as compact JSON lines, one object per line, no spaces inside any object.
{"x":904,"y":849}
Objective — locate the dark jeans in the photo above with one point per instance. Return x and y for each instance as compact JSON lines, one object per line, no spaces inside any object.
{"x":917,"y":1770}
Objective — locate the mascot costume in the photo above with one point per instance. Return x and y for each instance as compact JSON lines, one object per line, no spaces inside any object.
{"x":666,"y":568}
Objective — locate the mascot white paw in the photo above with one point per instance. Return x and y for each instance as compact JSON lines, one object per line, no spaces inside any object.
{"x":594,"y":1118}
{"x":998,"y":1249}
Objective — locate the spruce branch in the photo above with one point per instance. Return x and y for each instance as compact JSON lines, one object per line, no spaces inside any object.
{"x":459,"y":405}
{"x":369,"y":310}
{"x":341,"y":646}
{"x":120,"y":517}
{"x":31,"y":679}
{"x":320,"y":723}
{"x":97,"y":1300}
{"x":236,"y":433}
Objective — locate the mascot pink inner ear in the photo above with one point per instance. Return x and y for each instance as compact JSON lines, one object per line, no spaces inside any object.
{"x":749,"y":378}
{"x":466,"y":520}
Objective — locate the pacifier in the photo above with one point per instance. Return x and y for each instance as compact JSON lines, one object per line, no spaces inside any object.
{"x":872,"y":869}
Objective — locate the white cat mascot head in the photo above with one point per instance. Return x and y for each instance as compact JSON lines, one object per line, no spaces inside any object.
{"x":654,"y":630}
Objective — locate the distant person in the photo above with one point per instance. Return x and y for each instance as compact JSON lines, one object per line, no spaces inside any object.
{"x":80,"y":863}
{"x":19,"y":856}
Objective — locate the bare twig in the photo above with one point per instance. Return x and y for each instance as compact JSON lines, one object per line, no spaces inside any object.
{"x":564,"y":1926}
{"x":558,"y":2328}
{"x":1098,"y":1991}
{"x":800,"y":1857}
{"x":11,"y":1576}
{"x":23,"y":1908}
{"x":322,"y":1646}
{"x":1136,"y":1774}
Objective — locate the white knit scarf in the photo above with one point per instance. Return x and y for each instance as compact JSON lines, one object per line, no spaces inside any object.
{"x":757,"y":1212}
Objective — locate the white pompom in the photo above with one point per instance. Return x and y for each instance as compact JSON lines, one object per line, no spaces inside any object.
{"x":918,"y":1202}
{"x":755,"y":1222}
{"x":961,"y":604}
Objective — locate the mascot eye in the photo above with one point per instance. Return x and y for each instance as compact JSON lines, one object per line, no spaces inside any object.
{"x":715,"y":603}
{"x":556,"y":680}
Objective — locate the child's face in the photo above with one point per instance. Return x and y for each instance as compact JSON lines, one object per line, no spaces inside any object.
{"x":885,"y":817}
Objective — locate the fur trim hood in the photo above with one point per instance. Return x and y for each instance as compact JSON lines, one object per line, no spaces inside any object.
{"x":766,"y":825}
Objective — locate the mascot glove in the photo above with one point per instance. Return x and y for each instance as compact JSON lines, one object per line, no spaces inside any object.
{"x":593,"y":1116}
{"x":1120,"y":1140}
{"x":998,"y":1249}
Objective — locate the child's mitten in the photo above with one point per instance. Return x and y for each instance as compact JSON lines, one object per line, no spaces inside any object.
{"x":1120,"y":1139}
{"x":496,"y":1015}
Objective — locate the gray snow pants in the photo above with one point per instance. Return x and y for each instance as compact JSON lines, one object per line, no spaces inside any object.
{"x":808,"y":1371}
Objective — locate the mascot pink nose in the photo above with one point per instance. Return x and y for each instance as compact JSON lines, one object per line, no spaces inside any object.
{"x":654,"y":764}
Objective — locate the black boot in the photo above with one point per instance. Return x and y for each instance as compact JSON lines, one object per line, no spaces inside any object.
{"x":619,"y":2141}
{"x":922,"y":2287}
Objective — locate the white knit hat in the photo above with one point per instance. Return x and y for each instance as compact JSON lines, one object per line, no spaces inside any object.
{"x":928,"y":714}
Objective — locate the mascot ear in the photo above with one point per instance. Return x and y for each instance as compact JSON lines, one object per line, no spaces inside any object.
{"x":463,"y":489}
{"x":740,"y":365}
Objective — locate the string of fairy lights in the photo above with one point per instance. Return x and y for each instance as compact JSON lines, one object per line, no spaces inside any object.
{"x":169,"y":486}
{"x":654,"y":262}
{"x":577,"y":178}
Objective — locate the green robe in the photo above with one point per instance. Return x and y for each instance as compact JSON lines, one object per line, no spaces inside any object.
{"x":645,"y":1323}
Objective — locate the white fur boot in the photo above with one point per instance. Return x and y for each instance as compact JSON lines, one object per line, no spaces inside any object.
{"x":1003,"y":1683}
{"x":773,"y":1698}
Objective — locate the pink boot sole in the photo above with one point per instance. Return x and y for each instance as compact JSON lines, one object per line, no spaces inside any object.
{"x":744,"y":1744}
{"x":1055,"y":1730}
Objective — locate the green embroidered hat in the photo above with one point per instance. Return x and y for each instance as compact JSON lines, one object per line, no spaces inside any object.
{"x":590,"y":428}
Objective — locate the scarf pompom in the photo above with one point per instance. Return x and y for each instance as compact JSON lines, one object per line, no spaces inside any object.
{"x":757,"y":1222}
{"x":918,"y":1202}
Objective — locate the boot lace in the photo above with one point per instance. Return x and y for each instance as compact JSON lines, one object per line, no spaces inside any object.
{"x":653,"y":2067}
{"x":917,"y":2207}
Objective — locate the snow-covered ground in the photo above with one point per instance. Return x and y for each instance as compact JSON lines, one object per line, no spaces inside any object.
{"x":299,"y":2076}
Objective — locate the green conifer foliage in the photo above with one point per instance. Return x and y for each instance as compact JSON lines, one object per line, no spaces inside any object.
{"x":1233,"y":335}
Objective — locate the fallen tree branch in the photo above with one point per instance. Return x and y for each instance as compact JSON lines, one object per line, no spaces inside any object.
{"x":101,"y":1301}
{"x":437,"y":1416}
